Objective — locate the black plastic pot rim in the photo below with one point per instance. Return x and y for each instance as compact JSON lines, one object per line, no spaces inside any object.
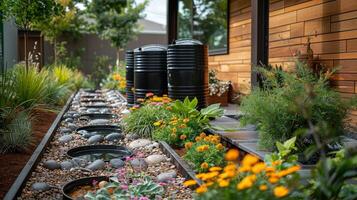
{"x":80,"y":180}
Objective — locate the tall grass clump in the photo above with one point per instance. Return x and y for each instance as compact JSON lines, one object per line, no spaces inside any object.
{"x":273,"y":107}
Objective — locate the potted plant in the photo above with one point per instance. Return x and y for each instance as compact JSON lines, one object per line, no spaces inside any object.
{"x":218,"y":89}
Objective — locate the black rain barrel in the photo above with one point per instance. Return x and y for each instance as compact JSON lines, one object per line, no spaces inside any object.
{"x":129,"y":58}
{"x":150,"y":71}
{"x":187,"y":67}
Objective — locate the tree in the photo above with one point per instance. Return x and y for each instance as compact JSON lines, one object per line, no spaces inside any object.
{"x":67,"y":20}
{"x":116,"y":20}
{"x":26,"y":13}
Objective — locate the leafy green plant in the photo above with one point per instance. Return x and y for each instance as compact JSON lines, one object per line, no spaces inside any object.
{"x":272,"y":108}
{"x":15,"y":130}
{"x":285,"y":152}
{"x":176,"y":130}
{"x":206,"y":152}
{"x":62,"y":74}
{"x":141,"y":121}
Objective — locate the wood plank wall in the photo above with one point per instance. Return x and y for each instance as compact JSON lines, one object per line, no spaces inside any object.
{"x":330,"y":24}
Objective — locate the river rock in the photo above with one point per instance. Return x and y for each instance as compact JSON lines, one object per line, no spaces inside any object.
{"x":138,"y":164}
{"x":72,"y":126}
{"x":95,"y":165}
{"x":82,"y":132}
{"x":92,"y":110}
{"x":40,"y":186}
{"x":133,"y":136}
{"x":65,"y":138}
{"x":99,"y":122}
{"x":139,"y":143}
{"x":126,"y":111}
{"x":66,"y":165}
{"x":155,"y":159}
{"x":89,"y":134}
{"x":117,"y":163}
{"x":95,"y":139}
{"x":79,"y":162}
{"x":51,"y":164}
{"x":152,"y":146}
{"x":114,"y":136}
{"x":166,"y":176}
{"x":69,"y":120}
{"x":65,"y":131}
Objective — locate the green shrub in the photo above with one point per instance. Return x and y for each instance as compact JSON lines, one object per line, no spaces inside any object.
{"x":273,"y":108}
{"x":206,"y":152}
{"x":176,"y":130}
{"x":29,"y":85}
{"x":141,"y":121}
{"x":15,"y":131}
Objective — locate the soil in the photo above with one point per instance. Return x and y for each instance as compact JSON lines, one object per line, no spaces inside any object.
{"x":11,"y":164}
{"x":181,"y":152}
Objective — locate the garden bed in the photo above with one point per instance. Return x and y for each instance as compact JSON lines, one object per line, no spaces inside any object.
{"x":65,"y":137}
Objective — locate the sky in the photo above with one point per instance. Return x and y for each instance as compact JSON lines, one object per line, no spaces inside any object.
{"x":156,"y":10}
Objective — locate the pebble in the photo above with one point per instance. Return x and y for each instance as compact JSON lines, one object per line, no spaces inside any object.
{"x":89,"y":134}
{"x":65,"y":131}
{"x":133,"y":136}
{"x":95,"y":139}
{"x":117,"y":163}
{"x":72,"y":126}
{"x":69,"y":120}
{"x":152,"y":146}
{"x":155,"y":159}
{"x":51,"y":164}
{"x":139,"y":164}
{"x":166,"y":176}
{"x":79,"y":162}
{"x":139,"y":143}
{"x":40,"y":186}
{"x":66,"y":165}
{"x":95,"y":165}
{"x":82,"y":132}
{"x":114,"y":136}
{"x":65,"y":138}
{"x":126,"y":111}
{"x":92,"y":110}
{"x":99,"y":122}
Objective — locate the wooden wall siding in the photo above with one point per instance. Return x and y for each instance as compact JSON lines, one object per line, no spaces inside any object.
{"x":330,"y":24}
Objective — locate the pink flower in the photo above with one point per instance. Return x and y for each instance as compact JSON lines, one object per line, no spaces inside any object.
{"x":162,"y":184}
{"x":128,"y":158}
{"x":149,"y":94}
{"x":124,"y":187}
{"x":94,"y":182}
{"x":144,"y":198}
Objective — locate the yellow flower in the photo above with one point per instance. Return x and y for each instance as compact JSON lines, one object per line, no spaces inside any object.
{"x":186,"y":120}
{"x":214,"y":169}
{"x":158,"y":123}
{"x":174,"y":130}
{"x":281,"y":191}
{"x":259,"y":167}
{"x":204,"y":165}
{"x":189,"y":183}
{"x":249,"y":160}
{"x":188,"y":145}
{"x":277,"y":162}
{"x":273,"y":180}
{"x":230,"y":167}
{"x":247,"y":182}
{"x":263,"y":187}
{"x":288,"y":171}
{"x":269,"y":169}
{"x":201,"y":175}
{"x":219,"y":146}
{"x":223,"y":183}
{"x":202,"y":135}
{"x":201,"y":189}
{"x":232,"y":155}
{"x":116,"y":77}
{"x":245,"y":168}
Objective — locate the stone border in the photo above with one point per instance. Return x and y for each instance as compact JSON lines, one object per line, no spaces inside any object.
{"x":179,"y":163}
{"x":25,"y":173}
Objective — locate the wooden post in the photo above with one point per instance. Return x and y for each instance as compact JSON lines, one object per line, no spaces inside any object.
{"x":260,"y":38}
{"x":172,"y":7}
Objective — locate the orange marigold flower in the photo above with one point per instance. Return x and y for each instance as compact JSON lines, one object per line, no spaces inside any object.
{"x":219,"y":146}
{"x":230,"y":167}
{"x":204,"y":165}
{"x":273,"y":180}
{"x":244,"y":184}
{"x":183,"y":126}
{"x":223,"y":183}
{"x":277,"y":162}
{"x":214,"y":169}
{"x":249,"y":160}
{"x":281,"y":191}
{"x":188,"y":145}
{"x":210,"y":175}
{"x":182,"y":137}
{"x":232,"y":155}
{"x":186,"y":120}
{"x":269,"y":169}
{"x":198,"y":139}
{"x":259,"y":167}
{"x":245,"y":168}
{"x":189,"y":183}
{"x":202,"y":135}
{"x":263,"y":187}
{"x":201,"y":189}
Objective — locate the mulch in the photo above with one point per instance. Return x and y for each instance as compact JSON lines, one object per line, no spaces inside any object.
{"x":11,"y":164}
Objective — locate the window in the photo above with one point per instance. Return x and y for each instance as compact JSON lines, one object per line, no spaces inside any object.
{"x":206,"y":21}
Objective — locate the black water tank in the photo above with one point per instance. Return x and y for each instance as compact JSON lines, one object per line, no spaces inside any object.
{"x":129,"y":58}
{"x":150,"y":71}
{"x":187,"y":67}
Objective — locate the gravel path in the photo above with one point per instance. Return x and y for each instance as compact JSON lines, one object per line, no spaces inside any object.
{"x":57,"y":151}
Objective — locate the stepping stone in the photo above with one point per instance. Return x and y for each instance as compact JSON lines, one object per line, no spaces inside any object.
{"x":155,"y":159}
{"x":117,"y":163}
{"x":99,"y":122}
{"x":139,"y":143}
{"x":114,"y":136}
{"x":95,"y":165}
{"x":51,"y":164}
{"x":95,"y":139}
{"x":40,"y":186}
{"x":139,"y":164}
{"x":166,"y":176}
{"x":66,"y":165}
{"x":65,"y":139}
